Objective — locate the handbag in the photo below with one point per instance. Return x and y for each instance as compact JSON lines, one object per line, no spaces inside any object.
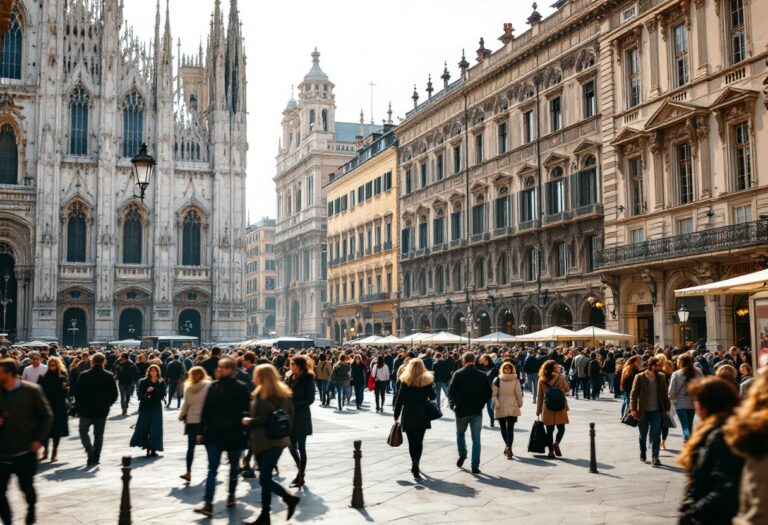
{"x":371,"y":383}
{"x":668,"y":420}
{"x":628,"y":419}
{"x":433,"y":411}
{"x":395,"y":438}
{"x":537,"y":441}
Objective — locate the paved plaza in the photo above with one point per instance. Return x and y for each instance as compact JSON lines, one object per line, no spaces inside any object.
{"x":528,"y":489}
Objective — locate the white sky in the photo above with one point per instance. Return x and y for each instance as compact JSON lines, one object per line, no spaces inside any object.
{"x":393,"y":43}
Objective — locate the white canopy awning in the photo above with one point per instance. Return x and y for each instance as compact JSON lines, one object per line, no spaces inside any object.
{"x":600,"y":334}
{"x":414,"y":338}
{"x":554,"y":333}
{"x":749,"y":283}
{"x":495,"y":338}
{"x":444,"y":338}
{"x":33,"y":344}
{"x":385,"y":341}
{"x":371,"y":339}
{"x":126,"y":343}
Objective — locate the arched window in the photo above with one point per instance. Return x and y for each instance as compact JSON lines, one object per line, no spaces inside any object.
{"x":10,"y":61}
{"x":422,"y":283}
{"x":190,"y":252}
{"x":76,"y":234}
{"x":324,"y":114}
{"x":311,"y":119}
{"x":133,"y":124}
{"x":439,"y":280}
{"x":132,"y":236}
{"x":9,"y":156}
{"x":480,"y":273}
{"x":503,"y":272}
{"x":78,"y":126}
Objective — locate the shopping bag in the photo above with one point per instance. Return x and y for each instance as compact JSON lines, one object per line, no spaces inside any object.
{"x":395,"y":438}
{"x":433,"y":411}
{"x":537,"y":441}
{"x":669,"y":419}
{"x":371,"y":383}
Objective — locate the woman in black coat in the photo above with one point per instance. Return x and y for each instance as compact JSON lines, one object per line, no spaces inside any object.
{"x":302,"y":382}
{"x":416,"y":388}
{"x":148,"y":433}
{"x":55,"y":385}
{"x":491,"y":371}
{"x":359,"y":379}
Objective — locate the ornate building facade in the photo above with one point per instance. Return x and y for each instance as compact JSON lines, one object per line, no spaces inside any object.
{"x":500,"y":181}
{"x":260,"y":277}
{"x":86,"y":259}
{"x":312,"y":147}
{"x":686,"y":188}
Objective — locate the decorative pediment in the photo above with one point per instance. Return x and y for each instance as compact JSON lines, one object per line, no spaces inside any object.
{"x":626,"y":136}
{"x":732,"y":106}
{"x":554,"y":159}
{"x":672,"y":113}
{"x":456,"y":199}
{"x":478,"y":187}
{"x":733,"y":96}
{"x":586,"y":146}
{"x":501,"y":179}
{"x":526,"y":169}
{"x":439,"y":204}
{"x":421,"y":210}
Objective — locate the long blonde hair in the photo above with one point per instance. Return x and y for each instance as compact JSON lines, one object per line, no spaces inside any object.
{"x":195,"y":370}
{"x":747,"y":429}
{"x":268,"y":383}
{"x":415,"y":374}
{"x":61,"y":369}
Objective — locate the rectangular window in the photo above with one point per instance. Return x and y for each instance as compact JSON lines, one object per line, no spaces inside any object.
{"x":269,"y":283}
{"x":422,"y":235}
{"x":636,"y":186}
{"x":532,"y":266}
{"x":478,"y":219}
{"x":455,"y":225}
{"x":742,"y":155}
{"x":478,"y":148}
{"x":352,"y":199}
{"x":556,"y":192}
{"x":528,"y":207}
{"x":351,"y":245}
{"x":310,"y":190}
{"x":457,"y":159}
{"x":561,"y":268}
{"x":503,"y":137}
{"x":439,"y":167}
{"x":501,"y":212}
{"x":632,"y":77}
{"x":684,"y":226}
{"x":636,"y":235}
{"x":528,"y":127}
{"x":368,"y":190}
{"x":555,"y":114}
{"x":330,"y":208}
{"x":360,"y":194}
{"x":585,"y":188}
{"x":590,"y":99}
{"x":388,"y":181}
{"x":438,"y":231}
{"x":388,"y":233}
{"x":377,"y":186}
{"x":361,"y":241}
{"x":408,"y":181}
{"x":593,"y":246}
{"x":737,"y":31}
{"x":684,"y":174}
{"x":742,"y":214}
{"x":423,"y":169}
{"x":389,"y":282}
{"x":344,"y":203}
{"x":370,"y":240}
{"x":378,"y":236}
{"x":680,"y":51}
{"x":337,"y":205}
{"x":378,"y":283}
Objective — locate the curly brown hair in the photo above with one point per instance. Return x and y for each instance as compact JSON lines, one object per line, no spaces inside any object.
{"x":746,"y":431}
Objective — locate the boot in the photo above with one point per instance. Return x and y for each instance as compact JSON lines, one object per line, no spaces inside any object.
{"x":551,"y":452}
{"x":291,"y":502}
{"x":415,"y":470}
{"x":205,"y":510}
{"x":55,"y":453}
{"x":299,"y":481}
{"x":263,"y":519}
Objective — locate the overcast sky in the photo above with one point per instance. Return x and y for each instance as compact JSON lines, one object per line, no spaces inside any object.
{"x":393,"y":44}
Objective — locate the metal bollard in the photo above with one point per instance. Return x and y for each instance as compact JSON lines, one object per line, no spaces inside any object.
{"x":592,"y":453}
{"x":357,"y":491}
{"x":125,"y":500}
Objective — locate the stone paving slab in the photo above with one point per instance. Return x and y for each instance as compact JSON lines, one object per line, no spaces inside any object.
{"x":529,"y":489}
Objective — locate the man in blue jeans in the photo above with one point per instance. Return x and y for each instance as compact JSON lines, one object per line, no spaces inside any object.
{"x":468,"y":393}
{"x":648,"y":402}
{"x":443,"y":369}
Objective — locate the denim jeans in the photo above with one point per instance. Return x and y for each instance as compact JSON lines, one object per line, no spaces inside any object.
{"x":651,"y":421}
{"x":98,"y":434}
{"x":609,"y":377}
{"x":125,"y":395}
{"x":359,"y":394}
{"x":322,"y":389}
{"x":441,"y":387}
{"x":685,"y":415}
{"x":267,"y":462}
{"x":172,"y":386}
{"x":475,"y":423}
{"x":625,"y":403}
{"x":489,"y":410}
{"x":533,"y":382}
{"x":214,"y":460}
{"x":340,"y":395}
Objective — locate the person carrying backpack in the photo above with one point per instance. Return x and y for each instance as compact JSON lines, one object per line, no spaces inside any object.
{"x":270,"y":420}
{"x":551,"y":404}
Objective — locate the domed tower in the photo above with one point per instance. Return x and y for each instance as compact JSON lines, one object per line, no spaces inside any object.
{"x":316,"y":100}
{"x":290,"y":125}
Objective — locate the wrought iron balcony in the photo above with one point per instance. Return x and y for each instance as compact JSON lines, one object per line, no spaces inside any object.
{"x":528,"y":225}
{"x":689,"y":244}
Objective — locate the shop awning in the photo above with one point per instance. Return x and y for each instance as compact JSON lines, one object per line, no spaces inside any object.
{"x":749,"y":283}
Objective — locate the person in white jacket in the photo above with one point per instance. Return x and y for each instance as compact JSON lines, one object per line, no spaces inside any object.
{"x":195,"y":391}
{"x":507,"y":400}
{"x":380,"y":373}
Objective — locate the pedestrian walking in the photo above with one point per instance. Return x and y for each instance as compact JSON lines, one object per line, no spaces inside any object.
{"x":195,"y":391}
{"x":595,"y":373}
{"x":175,"y":373}
{"x":552,"y":406}
{"x":148,"y":433}
{"x":302,"y":384}
{"x":631,"y":368}
{"x":35,"y":369}
{"x":25,"y":420}
{"x":269,"y":419}
{"x":747,"y":378}
{"x":678,"y":392}
{"x":323,"y":379}
{"x":127,"y":375}
{"x":340,"y":377}
{"x":648,"y":403}
{"x":491,"y":371}
{"x":55,"y":385}
{"x":714,"y":470}
{"x":95,"y":393}
{"x":443,"y":369}
{"x":359,"y":379}
{"x":416,"y":389}
{"x":746,"y":432}
{"x":380,"y":373}
{"x":609,"y":371}
{"x":221,"y":429}
{"x":469,"y":392}
{"x":531,"y":366}
{"x":507,"y":400}
{"x":211,"y":364}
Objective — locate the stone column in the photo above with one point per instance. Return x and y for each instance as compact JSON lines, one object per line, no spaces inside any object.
{"x":657,"y":164}
{"x":715,"y":335}
{"x":653,"y":39}
{"x":701,"y":37}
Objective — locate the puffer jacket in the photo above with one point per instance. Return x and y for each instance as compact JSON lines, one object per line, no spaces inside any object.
{"x":507,"y":396}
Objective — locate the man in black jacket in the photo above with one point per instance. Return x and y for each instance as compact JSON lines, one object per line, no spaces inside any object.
{"x":25,"y":419}
{"x":175,"y":373}
{"x":211,"y":364}
{"x":127,"y":375}
{"x":443,"y":370}
{"x":221,"y":429}
{"x":94,"y":394}
{"x":468,"y":394}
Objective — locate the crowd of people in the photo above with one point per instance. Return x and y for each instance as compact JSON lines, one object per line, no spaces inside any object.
{"x":253,"y":404}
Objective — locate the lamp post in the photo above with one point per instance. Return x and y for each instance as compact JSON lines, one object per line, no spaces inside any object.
{"x":187,"y":326}
{"x":74,"y":329}
{"x":5,"y":300}
{"x":143,"y":169}
{"x":683,"y":314}
{"x":131,"y":331}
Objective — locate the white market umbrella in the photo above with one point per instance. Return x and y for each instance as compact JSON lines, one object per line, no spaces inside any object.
{"x":385,"y":341}
{"x":414,"y":338}
{"x":594,"y":332}
{"x":444,"y":338}
{"x":749,"y":283}
{"x":34,"y":344}
{"x":553,"y":333}
{"x":368,"y":340}
{"x":126,"y":343}
{"x":495,"y":338}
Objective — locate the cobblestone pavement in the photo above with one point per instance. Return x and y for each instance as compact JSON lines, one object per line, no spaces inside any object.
{"x":528,"y":489}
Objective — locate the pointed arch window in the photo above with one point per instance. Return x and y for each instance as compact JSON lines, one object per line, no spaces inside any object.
{"x":76,"y":234}
{"x":9,"y":156}
{"x":10,"y":61}
{"x":78,"y":126}
{"x":132,"y":236}
{"x":190,"y":251}
{"x":133,"y":124}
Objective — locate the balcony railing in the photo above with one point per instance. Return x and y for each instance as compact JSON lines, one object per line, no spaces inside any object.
{"x":503,"y":230}
{"x":479,"y":237}
{"x":373,"y":297}
{"x":438,"y":247}
{"x":75,"y":271}
{"x":458,"y":242}
{"x":377,"y":248}
{"x":689,"y":244}
{"x":133,"y":273}
{"x":528,"y":225}
{"x":192,"y":273}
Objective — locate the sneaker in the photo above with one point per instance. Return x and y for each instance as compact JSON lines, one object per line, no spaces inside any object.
{"x":655,"y":462}
{"x":643,"y":456}
{"x":205,"y":510}
{"x":663,"y":444}
{"x":460,"y":462}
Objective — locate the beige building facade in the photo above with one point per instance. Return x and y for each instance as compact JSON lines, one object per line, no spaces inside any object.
{"x":362,"y":241}
{"x":260,"y":277}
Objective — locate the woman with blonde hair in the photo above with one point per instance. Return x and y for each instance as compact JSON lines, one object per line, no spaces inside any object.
{"x":416,"y":389}
{"x":550,"y":378}
{"x":195,"y":391}
{"x":507,"y":399}
{"x":712,"y":493}
{"x":55,"y":385}
{"x":148,"y":433}
{"x":746,"y":432}
{"x":271,"y":405}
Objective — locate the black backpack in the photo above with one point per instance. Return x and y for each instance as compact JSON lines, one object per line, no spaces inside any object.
{"x":554,"y":399}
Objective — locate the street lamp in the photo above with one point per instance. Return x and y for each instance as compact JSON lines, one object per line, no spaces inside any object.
{"x":683,"y":314}
{"x":187,"y":326}
{"x":131,"y":330}
{"x":5,"y":300}
{"x":74,"y":329}
{"x":143,"y":169}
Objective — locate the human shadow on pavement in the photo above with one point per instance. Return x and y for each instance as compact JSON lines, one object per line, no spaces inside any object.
{"x":447,"y":487}
{"x":504,"y":483}
{"x":311,"y":507}
{"x":534,"y":460}
{"x":143,"y":461}
{"x":81,"y":472}
{"x":581,"y":462}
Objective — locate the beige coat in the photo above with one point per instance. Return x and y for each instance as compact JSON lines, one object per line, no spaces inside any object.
{"x":323,"y":370}
{"x":507,"y":396}
{"x":547,"y":416}
{"x":194,"y":399}
{"x":753,"y":498}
